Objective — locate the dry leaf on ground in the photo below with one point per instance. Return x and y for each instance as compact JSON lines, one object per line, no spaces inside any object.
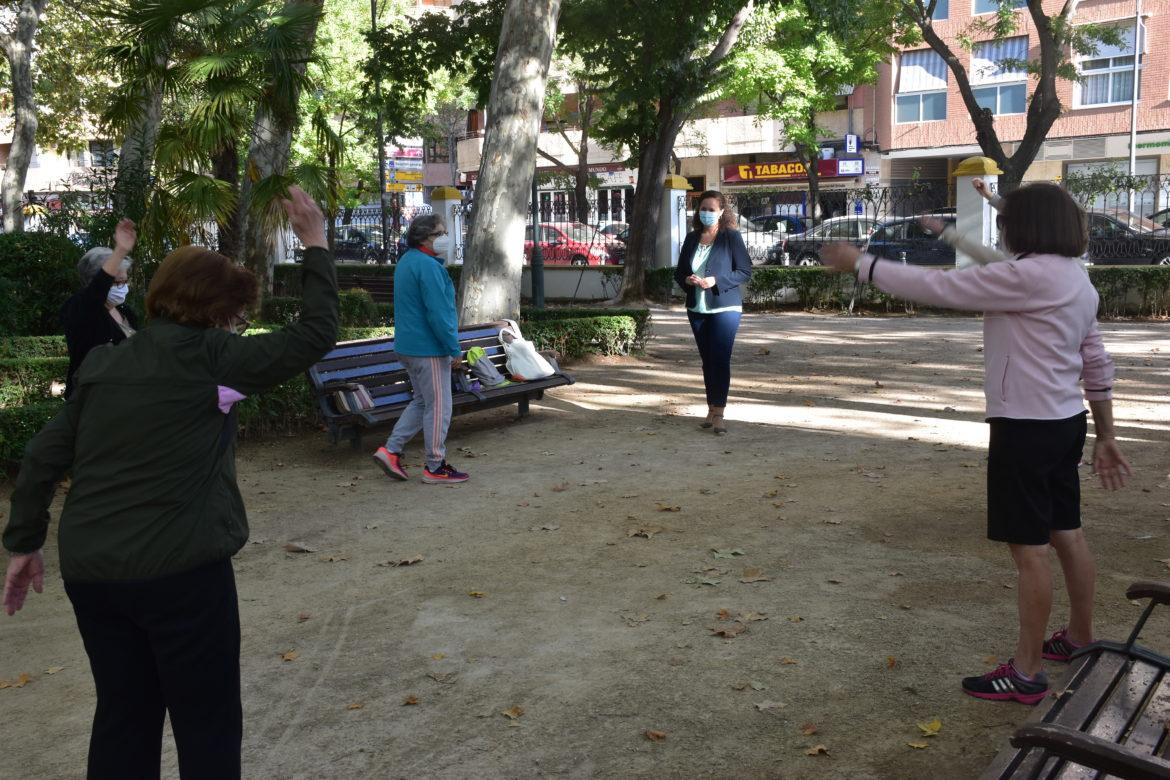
{"x":54,"y":669}
{"x":410,"y":701}
{"x":334,"y":558}
{"x":644,"y":533}
{"x":753,"y":574}
{"x":770,"y":706}
{"x":729,"y":631}
{"x":512,"y":712}
{"x":24,"y":679}
{"x":726,"y":553}
{"x":654,"y":736}
{"x":931,"y":729}
{"x":808,"y":729}
{"x":444,"y":678}
{"x":476,"y":594}
{"x":357,"y":705}
{"x":662,"y":596}
{"x":291,"y":655}
{"x":891,"y":662}
{"x":786,"y":661}
{"x":917,"y":745}
{"x":668,"y":507}
{"x":303,"y":616}
{"x":298,"y":547}
{"x":438,"y":656}
{"x":817,"y":750}
{"x":751,"y":617}
{"x":723,"y":614}
{"x":561,"y":488}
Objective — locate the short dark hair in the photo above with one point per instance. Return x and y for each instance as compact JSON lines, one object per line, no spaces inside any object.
{"x":726,"y":222}
{"x":1043,"y":219}
{"x":195,"y":286}
{"x":421,"y":228}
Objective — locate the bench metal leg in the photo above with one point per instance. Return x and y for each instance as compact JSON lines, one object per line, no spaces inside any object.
{"x":522,"y":406}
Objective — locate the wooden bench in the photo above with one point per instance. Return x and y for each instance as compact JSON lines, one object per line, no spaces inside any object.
{"x":379,"y":286}
{"x":374,"y":364}
{"x":1110,"y":718}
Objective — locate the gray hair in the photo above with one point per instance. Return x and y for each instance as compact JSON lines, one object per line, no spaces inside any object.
{"x":422,"y":227}
{"x":91,"y":261}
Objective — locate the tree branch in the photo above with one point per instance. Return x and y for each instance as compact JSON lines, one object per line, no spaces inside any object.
{"x":730,"y":35}
{"x":550,"y":158}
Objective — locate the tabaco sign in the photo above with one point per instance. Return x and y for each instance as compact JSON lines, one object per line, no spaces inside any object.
{"x":779,"y":171}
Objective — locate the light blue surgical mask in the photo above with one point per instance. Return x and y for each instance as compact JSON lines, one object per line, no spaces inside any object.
{"x":709,"y":218}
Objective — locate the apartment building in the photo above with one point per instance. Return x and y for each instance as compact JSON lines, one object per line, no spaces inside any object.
{"x":924,"y":128}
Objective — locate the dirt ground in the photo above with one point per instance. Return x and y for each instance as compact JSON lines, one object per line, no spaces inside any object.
{"x":850,"y":488}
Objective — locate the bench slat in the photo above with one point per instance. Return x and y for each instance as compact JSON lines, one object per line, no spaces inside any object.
{"x":1122,"y":707}
{"x":1149,"y":735}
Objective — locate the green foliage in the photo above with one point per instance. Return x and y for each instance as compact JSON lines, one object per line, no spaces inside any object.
{"x":660,"y":284}
{"x":287,"y":276}
{"x":1142,"y":291}
{"x":575,"y":338}
{"x":1106,"y":180}
{"x":27,"y":380}
{"x":32,"y":347}
{"x":37,"y":273}
{"x":21,"y":423}
{"x":641,"y":318}
{"x":357,"y":308}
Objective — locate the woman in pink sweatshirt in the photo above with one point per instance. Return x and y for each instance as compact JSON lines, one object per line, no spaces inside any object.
{"x":1040,"y":341}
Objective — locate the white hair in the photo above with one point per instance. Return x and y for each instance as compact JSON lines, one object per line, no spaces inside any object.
{"x":91,"y":261}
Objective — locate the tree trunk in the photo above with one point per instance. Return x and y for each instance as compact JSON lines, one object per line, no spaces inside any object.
{"x":136,"y":158}
{"x":653,"y":165}
{"x":225,"y":166}
{"x":453,"y":155}
{"x":18,"y":50}
{"x":268,"y":155}
{"x":581,"y":178}
{"x":490,"y":287}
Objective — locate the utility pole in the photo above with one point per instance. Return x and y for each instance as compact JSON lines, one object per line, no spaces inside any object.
{"x":381,"y":147}
{"x":537,"y":269}
{"x":1133,"y":103}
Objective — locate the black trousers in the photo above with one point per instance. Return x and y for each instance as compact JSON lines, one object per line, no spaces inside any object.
{"x":165,"y":645}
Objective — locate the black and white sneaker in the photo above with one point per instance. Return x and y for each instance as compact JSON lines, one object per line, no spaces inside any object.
{"x":1007,"y":684}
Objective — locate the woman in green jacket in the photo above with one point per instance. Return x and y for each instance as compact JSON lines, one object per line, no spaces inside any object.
{"x":154,"y":516}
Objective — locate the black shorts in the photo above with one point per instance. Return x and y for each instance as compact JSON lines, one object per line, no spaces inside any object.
{"x":1033,"y":487}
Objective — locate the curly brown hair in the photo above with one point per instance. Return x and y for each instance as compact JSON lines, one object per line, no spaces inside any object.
{"x":196,"y":286}
{"x":726,"y":221}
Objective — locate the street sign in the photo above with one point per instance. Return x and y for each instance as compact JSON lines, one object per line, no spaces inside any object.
{"x":398,"y":187}
{"x":851,"y":144}
{"x":406,"y":175}
{"x":404,"y":164}
{"x":404,"y":151}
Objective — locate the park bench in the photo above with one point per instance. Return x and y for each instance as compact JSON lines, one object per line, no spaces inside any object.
{"x":379,"y":286}
{"x":374,"y":364}
{"x":1109,"y":720}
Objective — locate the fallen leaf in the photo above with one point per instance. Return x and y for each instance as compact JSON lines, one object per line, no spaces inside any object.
{"x":297,"y":547}
{"x":668,"y":507}
{"x":763,"y":351}
{"x":523,"y":503}
{"x":726,"y":553}
{"x":754,"y":575}
{"x":756,"y":685}
{"x":786,"y":661}
{"x":654,"y":736}
{"x":930,"y":729}
{"x":644,"y":533}
{"x":662,"y":596}
{"x":891,"y":662}
{"x":54,"y":669}
{"x":817,"y":750}
{"x":561,"y":488}
{"x":796,"y":619}
{"x":751,"y":617}
{"x":729,"y":631}
{"x":770,"y":706}
{"x":991,"y":660}
{"x":917,"y":745}
{"x":723,"y":614}
{"x":476,"y":594}
{"x":832,"y":521}
{"x":835,"y":582}
{"x":303,"y":616}
{"x":444,"y":678}
{"x":546,"y":527}
{"x":335,"y":558}
{"x":739,"y":686}
{"x":410,"y":701}
{"x":396,"y":562}
{"x":291,"y":655}
{"x":1165,"y":561}
{"x":438,"y":656}
{"x":512,"y":712}
{"x":357,"y":705}
{"x":808,"y":729}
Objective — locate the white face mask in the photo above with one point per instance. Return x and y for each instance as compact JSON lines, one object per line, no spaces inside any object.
{"x":442,"y":245}
{"x":118,"y":293}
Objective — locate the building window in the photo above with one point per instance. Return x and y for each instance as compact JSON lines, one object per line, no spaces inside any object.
{"x":942,"y":9}
{"x":993,"y":6}
{"x":922,"y":87}
{"x":1107,"y":76}
{"x":101,"y":154}
{"x":997,"y":75}
{"x":436,"y":151}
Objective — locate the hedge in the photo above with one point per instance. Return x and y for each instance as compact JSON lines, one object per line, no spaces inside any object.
{"x":33,"y":347}
{"x":641,"y":318}
{"x":20,"y":424}
{"x":356,"y":308}
{"x":38,"y":272}
{"x":575,"y":338}
{"x":27,"y":380}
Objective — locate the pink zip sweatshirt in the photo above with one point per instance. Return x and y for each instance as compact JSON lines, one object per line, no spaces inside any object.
{"x":1040,"y":334}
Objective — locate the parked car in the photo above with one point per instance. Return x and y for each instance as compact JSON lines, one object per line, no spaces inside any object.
{"x":805,"y":248}
{"x":614,"y":229}
{"x":572,"y":243}
{"x":1161,"y":218}
{"x":906,"y":240}
{"x":1127,"y":239}
{"x":780,"y":223}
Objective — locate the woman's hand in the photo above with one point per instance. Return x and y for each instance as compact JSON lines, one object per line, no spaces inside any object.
{"x":23,"y":570}
{"x":1109,"y":464}
{"x":932,"y":224}
{"x":840,"y":257}
{"x":706,"y":282}
{"x":693,"y":280}
{"x":125,"y":236}
{"x":305,"y":217}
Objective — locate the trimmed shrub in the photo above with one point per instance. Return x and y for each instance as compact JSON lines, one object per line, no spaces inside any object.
{"x":660,"y":284}
{"x":1143,"y":291}
{"x":641,"y":318}
{"x":38,"y":272}
{"x":575,"y":338}
{"x":33,"y":346}
{"x":357,"y":308}
{"x":27,"y":380}
{"x":286,"y":277}
{"x":20,"y":424}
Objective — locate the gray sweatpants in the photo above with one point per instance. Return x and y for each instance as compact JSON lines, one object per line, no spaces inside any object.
{"x":429,"y":410}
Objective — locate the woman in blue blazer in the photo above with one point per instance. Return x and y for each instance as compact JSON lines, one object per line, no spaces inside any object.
{"x":713,"y":266}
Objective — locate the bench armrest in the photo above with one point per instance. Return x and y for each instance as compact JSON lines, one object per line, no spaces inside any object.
{"x":1159,"y":592}
{"x":1090,"y":751}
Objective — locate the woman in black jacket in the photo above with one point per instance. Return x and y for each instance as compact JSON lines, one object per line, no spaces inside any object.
{"x":97,"y":314}
{"x":713,"y":265}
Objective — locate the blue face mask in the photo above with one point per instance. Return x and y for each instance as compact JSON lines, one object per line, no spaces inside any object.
{"x":709,"y":218}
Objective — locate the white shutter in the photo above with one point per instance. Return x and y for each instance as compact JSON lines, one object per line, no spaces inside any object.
{"x":922,"y":71}
{"x":986,"y":56}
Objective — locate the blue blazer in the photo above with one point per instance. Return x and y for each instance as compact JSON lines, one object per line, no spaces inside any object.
{"x":728,"y":262}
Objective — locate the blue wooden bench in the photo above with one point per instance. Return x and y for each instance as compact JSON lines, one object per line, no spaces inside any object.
{"x":374,"y":364}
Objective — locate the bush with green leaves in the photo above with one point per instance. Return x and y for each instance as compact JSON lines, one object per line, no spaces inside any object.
{"x":29,"y":380}
{"x":21,"y":423}
{"x":38,"y":272}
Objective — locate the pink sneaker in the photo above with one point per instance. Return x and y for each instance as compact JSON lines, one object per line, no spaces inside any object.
{"x":391,"y":463}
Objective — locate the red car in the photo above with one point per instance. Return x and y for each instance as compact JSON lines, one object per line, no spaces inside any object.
{"x":569,"y":243}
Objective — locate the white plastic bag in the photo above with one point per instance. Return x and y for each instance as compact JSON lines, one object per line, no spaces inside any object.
{"x":523,"y":361}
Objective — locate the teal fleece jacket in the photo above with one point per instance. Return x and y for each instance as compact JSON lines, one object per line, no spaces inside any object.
{"x":425,"y":321}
